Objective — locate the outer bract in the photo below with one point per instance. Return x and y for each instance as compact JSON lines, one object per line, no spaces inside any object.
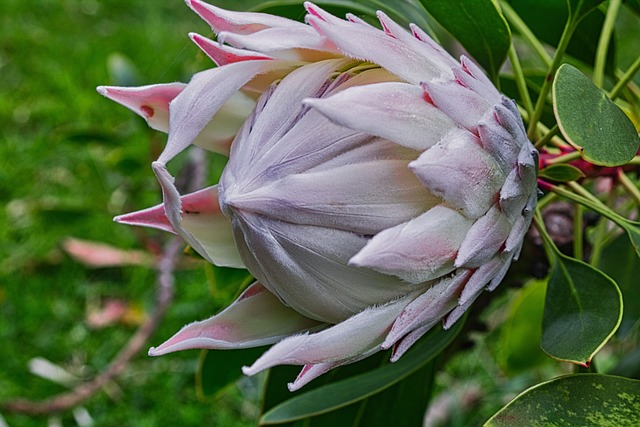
{"x":375,"y":185}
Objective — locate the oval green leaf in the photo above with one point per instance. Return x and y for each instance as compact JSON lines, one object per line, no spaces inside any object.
{"x":574,"y":400}
{"x":561,"y":173}
{"x":478,"y":25}
{"x":351,"y":390}
{"x":590,"y":121}
{"x":583,"y":308}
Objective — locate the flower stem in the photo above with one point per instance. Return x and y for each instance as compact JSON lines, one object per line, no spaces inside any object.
{"x":517,"y":23}
{"x":590,"y":201}
{"x":578,"y":242}
{"x":628,"y":75}
{"x":565,"y":158}
{"x":628,"y":185}
{"x":520,"y":80}
{"x":547,"y":137}
{"x":603,"y":42}
{"x":600,"y":236}
{"x":549,"y":246}
{"x":546,"y":86}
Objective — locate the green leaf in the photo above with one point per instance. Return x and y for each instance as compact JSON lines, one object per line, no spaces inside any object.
{"x":590,"y":121}
{"x":561,"y":173}
{"x":478,"y":26}
{"x":519,"y":346}
{"x":574,"y":400}
{"x":621,"y":263}
{"x":219,"y":368}
{"x":583,"y":308}
{"x":276,"y":391}
{"x":401,"y":405}
{"x":352,"y":390}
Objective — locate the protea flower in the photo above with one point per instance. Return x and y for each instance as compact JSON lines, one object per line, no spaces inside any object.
{"x":375,"y":186}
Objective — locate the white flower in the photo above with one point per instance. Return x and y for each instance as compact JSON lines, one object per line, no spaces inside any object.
{"x":375,"y":185}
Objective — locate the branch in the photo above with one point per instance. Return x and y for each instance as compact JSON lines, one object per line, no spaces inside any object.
{"x":164,"y":296}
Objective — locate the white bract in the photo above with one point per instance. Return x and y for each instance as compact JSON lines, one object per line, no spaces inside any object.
{"x":375,"y":185}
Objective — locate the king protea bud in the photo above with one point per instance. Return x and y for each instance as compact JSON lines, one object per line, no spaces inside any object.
{"x":375,"y":186}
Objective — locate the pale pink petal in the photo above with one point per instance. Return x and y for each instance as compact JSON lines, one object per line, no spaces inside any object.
{"x":508,"y":116}
{"x":481,"y":278}
{"x":218,"y":134}
{"x":472,"y":77}
{"x":419,"y":34}
{"x":460,"y":171}
{"x":222,"y":54}
{"x":528,"y":166}
{"x":516,"y":237}
{"x":513,"y":195}
{"x":426,"y":49}
{"x":484,"y":239}
{"x":367,"y":43}
{"x":153,"y":217}
{"x":498,"y":142}
{"x":428,"y":309}
{"x":312,"y":371}
{"x":198,"y":220}
{"x":504,"y":268}
{"x":279,"y":110}
{"x":395,"y":111}
{"x":256,"y":318}
{"x":305,"y":266}
{"x":514,"y":242}
{"x":348,"y":339}
{"x":238,"y":22}
{"x":150,"y":102}
{"x":294,"y":44}
{"x":356,"y":19}
{"x":333,"y":198}
{"x":461,"y":104}
{"x":401,"y":347}
{"x":208,"y":90}
{"x":419,"y":250}
{"x":475,"y":290}
{"x":521,"y":181}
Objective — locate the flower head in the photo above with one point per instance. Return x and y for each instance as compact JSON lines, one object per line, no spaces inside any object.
{"x":375,"y":186}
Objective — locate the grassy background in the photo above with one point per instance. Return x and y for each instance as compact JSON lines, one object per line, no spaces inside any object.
{"x":70,"y":161}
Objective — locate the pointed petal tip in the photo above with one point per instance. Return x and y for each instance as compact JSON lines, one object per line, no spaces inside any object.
{"x":153,"y":352}
{"x":249,"y":370}
{"x":102,"y":90}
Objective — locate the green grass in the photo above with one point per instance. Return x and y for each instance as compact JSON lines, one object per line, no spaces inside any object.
{"x":69,"y":161}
